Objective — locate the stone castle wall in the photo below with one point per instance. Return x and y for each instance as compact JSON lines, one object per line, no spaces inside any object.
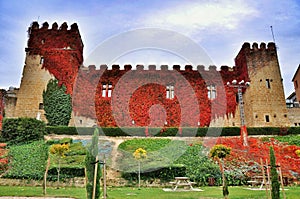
{"x":264,"y":99}
{"x":57,"y":53}
{"x":33,"y":83}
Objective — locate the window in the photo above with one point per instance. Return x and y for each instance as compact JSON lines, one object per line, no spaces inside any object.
{"x":42,"y":60}
{"x":267,"y":118}
{"x":41,"y":106}
{"x":106,"y":89}
{"x":268,"y":85}
{"x":295,"y":124}
{"x":211,"y":91}
{"x":170,"y":92}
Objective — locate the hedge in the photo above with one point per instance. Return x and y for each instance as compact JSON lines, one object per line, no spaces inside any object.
{"x":165,"y":174}
{"x":22,"y":130}
{"x":172,"y":131}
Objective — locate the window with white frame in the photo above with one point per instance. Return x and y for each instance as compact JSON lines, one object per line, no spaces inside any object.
{"x":106,"y":89}
{"x":170,"y":92}
{"x":211,"y":91}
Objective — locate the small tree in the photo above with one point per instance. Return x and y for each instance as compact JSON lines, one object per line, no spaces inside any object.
{"x":298,"y":152}
{"x":57,"y":104}
{"x":59,"y":151}
{"x":274,"y":175}
{"x":90,"y":163}
{"x":219,"y":152}
{"x":140,"y":154}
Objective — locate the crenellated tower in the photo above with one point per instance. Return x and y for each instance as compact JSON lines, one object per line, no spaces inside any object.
{"x":54,"y":52}
{"x":264,"y":99}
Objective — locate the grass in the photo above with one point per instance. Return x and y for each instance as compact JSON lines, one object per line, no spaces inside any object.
{"x":147,"y":144}
{"x":160,"y":153}
{"x":145,"y":193}
{"x":38,"y":191}
{"x":290,"y":139}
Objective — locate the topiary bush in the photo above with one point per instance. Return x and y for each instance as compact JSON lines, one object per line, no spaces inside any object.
{"x":22,"y":130}
{"x":57,"y":104}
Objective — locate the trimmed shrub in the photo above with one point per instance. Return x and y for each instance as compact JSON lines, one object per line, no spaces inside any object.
{"x":61,"y":130}
{"x":22,"y":130}
{"x":170,"y":131}
{"x":165,"y":174}
{"x":65,"y":173}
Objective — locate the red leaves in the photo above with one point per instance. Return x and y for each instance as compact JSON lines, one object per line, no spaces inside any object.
{"x":285,"y":154}
{"x":141,"y":96}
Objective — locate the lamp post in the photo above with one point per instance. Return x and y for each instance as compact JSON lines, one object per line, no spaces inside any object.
{"x":240,"y":85}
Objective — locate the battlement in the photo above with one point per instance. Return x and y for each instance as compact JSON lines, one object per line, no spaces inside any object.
{"x":152,"y":67}
{"x":44,"y":38}
{"x":262,"y":47}
{"x":45,"y":26}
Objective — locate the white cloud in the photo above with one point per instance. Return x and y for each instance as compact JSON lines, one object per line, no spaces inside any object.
{"x":192,"y":17}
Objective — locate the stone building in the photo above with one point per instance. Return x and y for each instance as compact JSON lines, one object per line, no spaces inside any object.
{"x":162,"y":99}
{"x":292,"y":101}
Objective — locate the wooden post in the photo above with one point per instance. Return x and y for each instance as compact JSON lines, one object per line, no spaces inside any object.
{"x":45,"y":177}
{"x":264,"y":177}
{"x":86,"y":180}
{"x":95,"y":178}
{"x":139,"y":174}
{"x":269,"y":180}
{"x":104,"y":178}
{"x":281,"y":181}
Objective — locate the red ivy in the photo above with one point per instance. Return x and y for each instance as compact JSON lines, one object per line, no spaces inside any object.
{"x":140,"y":96}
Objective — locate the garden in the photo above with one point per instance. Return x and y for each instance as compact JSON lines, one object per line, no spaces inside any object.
{"x":31,"y":165}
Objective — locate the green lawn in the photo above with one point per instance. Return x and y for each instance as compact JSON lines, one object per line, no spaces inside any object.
{"x":145,"y":193}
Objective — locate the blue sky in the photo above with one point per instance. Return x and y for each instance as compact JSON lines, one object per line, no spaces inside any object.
{"x":219,"y":27}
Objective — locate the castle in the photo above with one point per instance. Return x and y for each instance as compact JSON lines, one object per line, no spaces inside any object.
{"x":159,"y":96}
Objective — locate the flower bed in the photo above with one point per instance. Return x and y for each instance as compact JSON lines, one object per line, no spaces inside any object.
{"x":3,"y":158}
{"x":259,"y":150}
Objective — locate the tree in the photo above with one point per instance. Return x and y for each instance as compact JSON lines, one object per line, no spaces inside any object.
{"x":91,"y":162}
{"x":274,"y":175}
{"x":57,"y":104}
{"x":219,"y":152}
{"x":140,"y":154}
{"x":59,"y":151}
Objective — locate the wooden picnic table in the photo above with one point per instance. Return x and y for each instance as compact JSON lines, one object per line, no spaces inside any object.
{"x":256,"y":180}
{"x":182,"y":182}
